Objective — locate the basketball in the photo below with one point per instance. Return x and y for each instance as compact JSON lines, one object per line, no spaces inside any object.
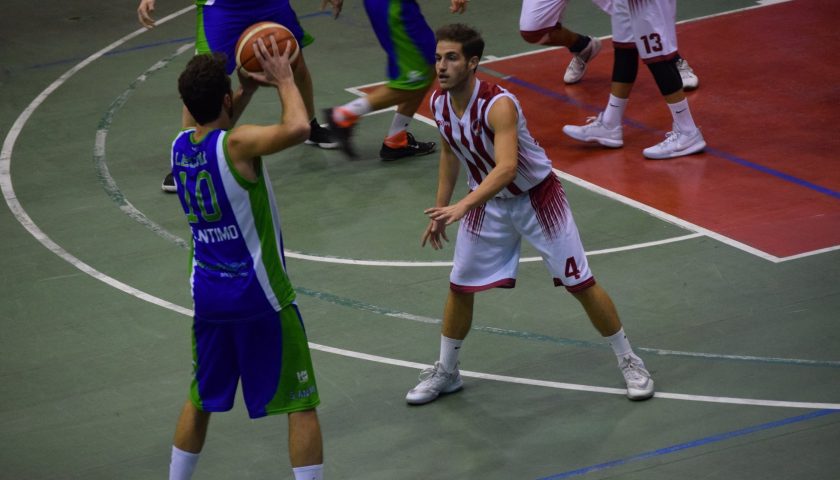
{"x":245,"y":57}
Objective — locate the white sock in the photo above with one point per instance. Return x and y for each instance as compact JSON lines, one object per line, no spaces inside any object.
{"x":614,"y":111}
{"x":449,"y":349}
{"x":182,"y":464}
{"x":399,"y":124}
{"x":682,"y":116}
{"x":358,"y":107}
{"x":620,"y":344}
{"x":309,"y":472}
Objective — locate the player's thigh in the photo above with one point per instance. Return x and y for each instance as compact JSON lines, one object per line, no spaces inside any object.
{"x":275,"y":364}
{"x":622,"y":23}
{"x":654,"y":29}
{"x":547,"y":223}
{"x":408,"y":41}
{"x":541,"y":14}
{"x":487,"y":249}
{"x":215,"y":372}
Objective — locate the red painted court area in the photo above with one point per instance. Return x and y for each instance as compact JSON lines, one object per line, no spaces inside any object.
{"x":768,"y":108}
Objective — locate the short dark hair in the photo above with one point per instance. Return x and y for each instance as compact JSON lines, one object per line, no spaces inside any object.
{"x":203,"y":85}
{"x":471,"y":42}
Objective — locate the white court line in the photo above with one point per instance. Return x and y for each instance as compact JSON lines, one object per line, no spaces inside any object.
{"x":24,"y":219}
{"x":386,"y":263}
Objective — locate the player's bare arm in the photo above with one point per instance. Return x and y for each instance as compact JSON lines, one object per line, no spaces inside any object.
{"x":447,"y":177}
{"x":144,"y":13}
{"x":502,"y":119}
{"x":249,"y":142}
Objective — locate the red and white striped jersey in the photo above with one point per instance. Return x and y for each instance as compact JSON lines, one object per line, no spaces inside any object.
{"x":471,"y":139}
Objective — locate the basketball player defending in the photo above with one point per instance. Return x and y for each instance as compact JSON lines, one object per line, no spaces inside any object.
{"x":648,"y":30}
{"x":513,"y":194}
{"x":246,"y":323}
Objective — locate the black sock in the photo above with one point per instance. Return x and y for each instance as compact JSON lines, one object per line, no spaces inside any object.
{"x":581,"y":43}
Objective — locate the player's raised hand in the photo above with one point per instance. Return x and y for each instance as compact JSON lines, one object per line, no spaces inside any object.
{"x":144,"y":13}
{"x":275,"y":65}
{"x":458,"y":6}
{"x":336,"y":6}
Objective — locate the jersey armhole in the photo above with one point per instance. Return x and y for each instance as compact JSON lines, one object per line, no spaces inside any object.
{"x":485,"y":117}
{"x":242,"y":181}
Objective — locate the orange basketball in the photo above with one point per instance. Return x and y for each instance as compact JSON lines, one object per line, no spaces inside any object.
{"x":245,"y":57}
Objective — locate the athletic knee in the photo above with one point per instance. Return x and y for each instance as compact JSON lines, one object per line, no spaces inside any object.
{"x":667,"y":76}
{"x":539,"y":37}
{"x":625,"y":64}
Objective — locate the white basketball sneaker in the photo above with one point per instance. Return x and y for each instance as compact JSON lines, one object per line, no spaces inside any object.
{"x":433,"y":382}
{"x":577,"y":67}
{"x":596,"y":131}
{"x":639,"y":383}
{"x":676,"y":144}
{"x":689,"y":78}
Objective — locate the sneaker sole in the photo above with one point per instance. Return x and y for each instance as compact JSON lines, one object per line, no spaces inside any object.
{"x":602,"y":141}
{"x":387,"y":158}
{"x":456,"y":388}
{"x":681,"y":153}
{"x":639,"y":395}
{"x":324,"y":145}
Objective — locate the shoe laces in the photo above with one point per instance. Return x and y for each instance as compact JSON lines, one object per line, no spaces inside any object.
{"x":435,"y":377}
{"x":596,"y":120}
{"x":633,"y":369}
{"x":411,"y":140}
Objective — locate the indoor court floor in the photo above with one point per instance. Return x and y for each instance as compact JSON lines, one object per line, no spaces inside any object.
{"x":725,"y":266}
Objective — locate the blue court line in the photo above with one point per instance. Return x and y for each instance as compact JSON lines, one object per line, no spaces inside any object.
{"x":641,"y":126}
{"x":113,"y":52}
{"x":692,"y":444}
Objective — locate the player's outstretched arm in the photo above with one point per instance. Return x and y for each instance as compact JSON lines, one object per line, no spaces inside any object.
{"x":251,"y":141}
{"x":144,"y":13}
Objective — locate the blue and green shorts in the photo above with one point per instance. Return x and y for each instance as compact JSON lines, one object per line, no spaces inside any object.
{"x":219,"y":27}
{"x":407,"y":39}
{"x":269,"y":354}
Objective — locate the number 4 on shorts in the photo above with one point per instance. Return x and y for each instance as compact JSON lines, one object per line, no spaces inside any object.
{"x":572,"y":269}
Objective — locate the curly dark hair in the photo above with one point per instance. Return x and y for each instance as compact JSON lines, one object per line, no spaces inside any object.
{"x":203,"y":85}
{"x":470,"y":39}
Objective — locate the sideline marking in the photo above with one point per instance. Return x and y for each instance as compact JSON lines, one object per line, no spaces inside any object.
{"x":26,"y":221}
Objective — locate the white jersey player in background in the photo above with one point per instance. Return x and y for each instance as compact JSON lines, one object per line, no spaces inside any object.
{"x":513,"y":194}
{"x":646,"y":29}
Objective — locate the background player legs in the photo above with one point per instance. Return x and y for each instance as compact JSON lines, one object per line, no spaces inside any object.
{"x":582,"y":47}
{"x":399,"y":142}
